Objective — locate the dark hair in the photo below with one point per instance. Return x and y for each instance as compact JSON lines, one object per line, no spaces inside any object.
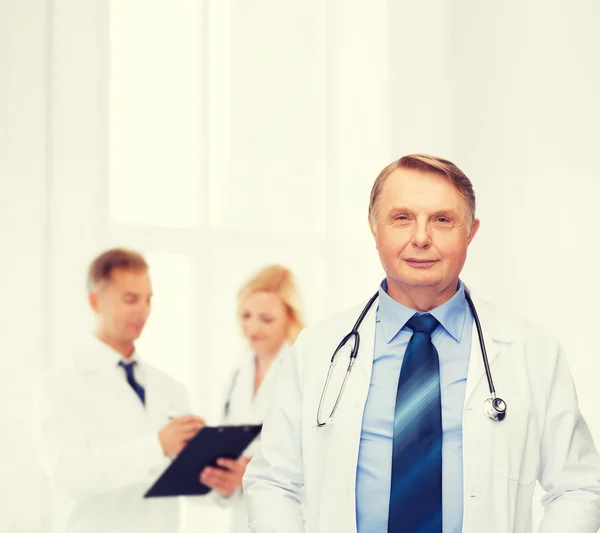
{"x":101,"y":268}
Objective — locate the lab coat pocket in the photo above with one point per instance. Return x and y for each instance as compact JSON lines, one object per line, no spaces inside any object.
{"x":515,"y":445}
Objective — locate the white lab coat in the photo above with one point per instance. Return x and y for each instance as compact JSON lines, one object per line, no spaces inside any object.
{"x":247,"y":408}
{"x":100,"y":447}
{"x":542,"y":438}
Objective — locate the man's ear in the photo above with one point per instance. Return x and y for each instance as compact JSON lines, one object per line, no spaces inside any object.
{"x":373,"y":228}
{"x":474,"y":228}
{"x":93,"y":301}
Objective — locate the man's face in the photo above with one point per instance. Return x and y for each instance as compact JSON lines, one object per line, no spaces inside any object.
{"x":422,"y":230}
{"x":122,"y":304}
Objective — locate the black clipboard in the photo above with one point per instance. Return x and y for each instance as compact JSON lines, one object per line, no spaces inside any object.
{"x":181,"y":478}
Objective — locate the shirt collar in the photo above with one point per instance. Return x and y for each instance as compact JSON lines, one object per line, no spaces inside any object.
{"x":393,"y":315}
{"x":104,"y":356}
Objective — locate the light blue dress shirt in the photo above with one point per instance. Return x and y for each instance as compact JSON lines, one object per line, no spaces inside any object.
{"x":452,"y":339}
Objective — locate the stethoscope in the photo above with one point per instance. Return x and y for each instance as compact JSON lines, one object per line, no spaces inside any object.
{"x":493,"y":407}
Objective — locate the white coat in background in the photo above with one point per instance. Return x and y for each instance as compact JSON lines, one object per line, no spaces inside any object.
{"x":100,"y":447}
{"x":543,"y":437}
{"x":246,"y":408}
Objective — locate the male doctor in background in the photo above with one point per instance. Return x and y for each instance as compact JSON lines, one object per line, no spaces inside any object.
{"x":409,"y":448}
{"x":106,"y":421}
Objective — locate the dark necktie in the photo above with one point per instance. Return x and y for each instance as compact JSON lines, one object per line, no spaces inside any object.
{"x":139,"y":390}
{"x":416,"y":488}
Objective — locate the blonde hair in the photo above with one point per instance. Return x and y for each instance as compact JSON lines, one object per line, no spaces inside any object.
{"x":424,"y":163}
{"x":101,"y":268}
{"x":280,"y":281}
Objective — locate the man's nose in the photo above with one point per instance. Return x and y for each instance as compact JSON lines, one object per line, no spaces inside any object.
{"x":421,"y":237}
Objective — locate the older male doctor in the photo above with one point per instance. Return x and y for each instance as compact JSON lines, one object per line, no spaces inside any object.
{"x":409,"y":447}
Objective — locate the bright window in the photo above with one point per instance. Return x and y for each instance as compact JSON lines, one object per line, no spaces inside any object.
{"x":154,"y":120}
{"x":167,"y":341}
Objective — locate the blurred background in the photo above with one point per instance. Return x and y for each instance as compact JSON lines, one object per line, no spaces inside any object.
{"x":218,"y":136}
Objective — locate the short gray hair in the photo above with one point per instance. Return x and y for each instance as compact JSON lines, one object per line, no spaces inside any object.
{"x":424,"y":163}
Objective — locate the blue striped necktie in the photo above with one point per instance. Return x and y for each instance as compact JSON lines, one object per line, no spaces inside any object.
{"x":416,"y":489}
{"x":138,"y":389}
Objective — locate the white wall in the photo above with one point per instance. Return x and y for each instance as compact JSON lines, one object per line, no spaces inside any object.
{"x":527,"y":123}
{"x":77,"y":162}
{"x":527,"y":128}
{"x":23,"y":275}
{"x":293,"y":108}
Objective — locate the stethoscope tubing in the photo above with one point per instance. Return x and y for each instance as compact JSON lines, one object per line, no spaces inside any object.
{"x":495,"y":408}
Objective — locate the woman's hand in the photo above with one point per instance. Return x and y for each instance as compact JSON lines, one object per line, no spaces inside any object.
{"x":227,"y":477}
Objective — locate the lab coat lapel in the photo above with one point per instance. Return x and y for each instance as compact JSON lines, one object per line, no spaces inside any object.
{"x":477,"y":428}
{"x":344,"y":436}
{"x":161,"y":403}
{"x":364,"y":360}
{"x":263,"y":394}
{"x":476,"y":374}
{"x":97,"y":360}
{"x":154,"y":403}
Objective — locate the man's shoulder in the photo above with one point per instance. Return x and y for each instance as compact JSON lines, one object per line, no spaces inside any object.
{"x":58,"y":381}
{"x":509,"y":326}
{"x":336,"y":325}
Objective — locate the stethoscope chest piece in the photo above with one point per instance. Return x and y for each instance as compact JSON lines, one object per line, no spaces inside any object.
{"x":495,"y":409}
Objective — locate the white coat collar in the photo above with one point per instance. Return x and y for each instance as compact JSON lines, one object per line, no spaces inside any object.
{"x":98,"y":356}
{"x":497,"y":331}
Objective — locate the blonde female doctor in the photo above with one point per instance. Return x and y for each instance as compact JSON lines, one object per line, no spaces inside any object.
{"x":270,"y":317}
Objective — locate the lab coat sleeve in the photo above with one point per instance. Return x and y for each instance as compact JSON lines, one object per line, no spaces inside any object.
{"x":273,"y":481}
{"x":74,"y":463}
{"x":569,"y":461}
